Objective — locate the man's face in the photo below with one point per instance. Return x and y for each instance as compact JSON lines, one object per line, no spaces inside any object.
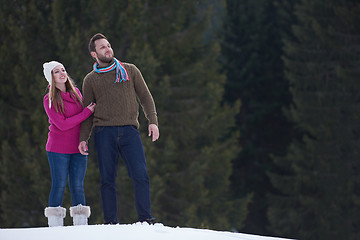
{"x":103,"y":51}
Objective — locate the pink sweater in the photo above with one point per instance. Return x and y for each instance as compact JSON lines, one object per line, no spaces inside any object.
{"x":64,"y":129}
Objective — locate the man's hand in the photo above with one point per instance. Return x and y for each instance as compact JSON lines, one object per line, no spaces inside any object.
{"x":83,"y":148}
{"x":154,"y":131}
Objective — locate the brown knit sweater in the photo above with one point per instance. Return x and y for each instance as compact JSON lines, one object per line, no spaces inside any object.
{"x":116,"y":103}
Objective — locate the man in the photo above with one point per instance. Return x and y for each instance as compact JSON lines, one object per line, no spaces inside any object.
{"x":115,"y":87}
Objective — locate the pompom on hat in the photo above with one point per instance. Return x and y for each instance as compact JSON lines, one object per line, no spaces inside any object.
{"x":48,"y":67}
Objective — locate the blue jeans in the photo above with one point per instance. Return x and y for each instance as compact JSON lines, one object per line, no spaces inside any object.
{"x":62,"y":167}
{"x":112,"y":142}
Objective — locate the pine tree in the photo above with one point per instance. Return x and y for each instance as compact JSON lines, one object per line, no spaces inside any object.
{"x":252,"y":50}
{"x":24,"y":173}
{"x":318,"y":187}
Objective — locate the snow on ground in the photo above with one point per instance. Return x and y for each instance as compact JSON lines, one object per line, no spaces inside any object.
{"x":135,"y":231}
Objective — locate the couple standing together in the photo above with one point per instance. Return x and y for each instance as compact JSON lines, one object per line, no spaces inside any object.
{"x":110,"y":94}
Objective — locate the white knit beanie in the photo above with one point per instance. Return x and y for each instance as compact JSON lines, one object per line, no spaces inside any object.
{"x":48,"y":67}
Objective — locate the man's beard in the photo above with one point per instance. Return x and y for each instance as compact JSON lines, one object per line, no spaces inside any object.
{"x":104,"y":59}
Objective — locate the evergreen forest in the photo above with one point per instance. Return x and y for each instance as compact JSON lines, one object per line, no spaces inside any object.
{"x":257,"y":101}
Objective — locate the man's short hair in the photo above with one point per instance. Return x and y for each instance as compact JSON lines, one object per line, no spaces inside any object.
{"x":93,"y":39}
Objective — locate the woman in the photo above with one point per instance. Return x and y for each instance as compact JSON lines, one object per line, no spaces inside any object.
{"x":63,"y":105}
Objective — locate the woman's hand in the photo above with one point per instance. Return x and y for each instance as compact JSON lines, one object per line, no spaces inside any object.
{"x":83,"y":148}
{"x":91,"y":106}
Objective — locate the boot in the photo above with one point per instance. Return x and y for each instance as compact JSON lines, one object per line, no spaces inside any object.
{"x":80,"y":214}
{"x":55,"y":216}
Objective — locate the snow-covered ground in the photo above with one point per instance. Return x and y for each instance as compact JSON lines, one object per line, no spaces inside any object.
{"x":135,"y":231}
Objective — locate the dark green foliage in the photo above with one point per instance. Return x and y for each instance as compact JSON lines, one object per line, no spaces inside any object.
{"x":318,"y":183}
{"x":252,"y":51}
{"x":23,"y":170}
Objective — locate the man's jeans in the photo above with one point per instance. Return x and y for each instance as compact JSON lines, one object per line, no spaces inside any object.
{"x":62,"y":167}
{"x":110,"y":142}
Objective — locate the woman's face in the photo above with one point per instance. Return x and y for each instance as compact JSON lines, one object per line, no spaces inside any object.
{"x":59,"y":75}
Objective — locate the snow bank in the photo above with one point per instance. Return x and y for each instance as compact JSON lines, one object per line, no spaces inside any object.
{"x":135,"y":231}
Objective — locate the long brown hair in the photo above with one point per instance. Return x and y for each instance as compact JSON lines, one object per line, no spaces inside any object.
{"x":55,"y":94}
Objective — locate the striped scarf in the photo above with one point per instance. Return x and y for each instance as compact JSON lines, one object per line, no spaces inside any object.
{"x":121,"y":73}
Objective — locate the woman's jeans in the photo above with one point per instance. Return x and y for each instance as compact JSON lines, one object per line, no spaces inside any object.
{"x":112,"y":142}
{"x":62,"y":167}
